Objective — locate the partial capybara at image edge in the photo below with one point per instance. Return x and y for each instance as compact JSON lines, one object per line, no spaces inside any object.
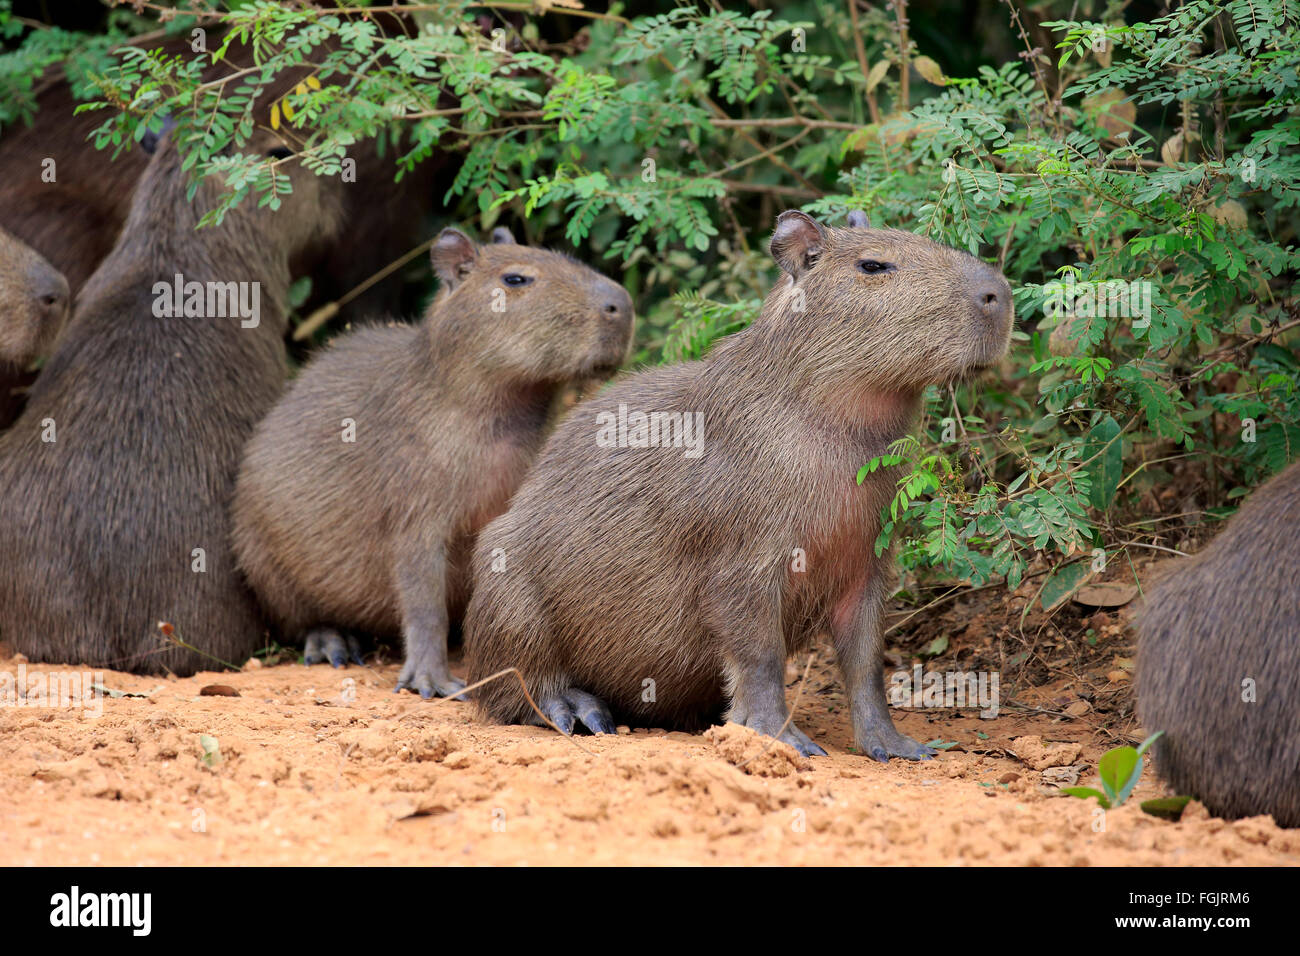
{"x":666,"y":583}
{"x":1219,"y":662}
{"x":117,"y":476}
{"x":362,"y":492}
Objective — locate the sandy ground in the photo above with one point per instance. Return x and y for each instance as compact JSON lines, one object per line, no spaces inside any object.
{"x":322,"y":766}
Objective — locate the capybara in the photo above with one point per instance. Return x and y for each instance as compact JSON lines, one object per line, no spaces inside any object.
{"x":1219,"y":662}
{"x":68,"y":200}
{"x":689,"y":527}
{"x":361,"y":493}
{"x":117,"y":476}
{"x":33,"y":306}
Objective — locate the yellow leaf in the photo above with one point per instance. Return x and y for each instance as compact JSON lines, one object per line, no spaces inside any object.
{"x":275,"y":116}
{"x":929,"y":70}
{"x":301,"y":89}
{"x":876,"y":74}
{"x":288,"y":113}
{"x":313,"y":82}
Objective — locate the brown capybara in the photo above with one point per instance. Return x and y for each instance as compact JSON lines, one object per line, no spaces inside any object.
{"x":68,"y":200}
{"x":1219,"y":662}
{"x":361,"y":493}
{"x":118,"y":475}
{"x":33,"y":305}
{"x":687,"y":529}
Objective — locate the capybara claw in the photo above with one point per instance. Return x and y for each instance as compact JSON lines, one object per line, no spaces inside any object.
{"x":573,"y":707}
{"x":429,"y":684}
{"x":893,"y":744}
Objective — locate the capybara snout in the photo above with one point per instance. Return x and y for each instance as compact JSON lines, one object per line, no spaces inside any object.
{"x":33,"y":302}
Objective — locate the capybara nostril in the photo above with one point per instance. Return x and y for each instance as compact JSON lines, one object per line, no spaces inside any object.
{"x":51,"y":291}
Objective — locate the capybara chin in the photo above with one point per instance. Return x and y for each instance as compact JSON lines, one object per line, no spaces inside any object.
{"x":688,"y":528}
{"x":1219,"y":662}
{"x":118,"y":474}
{"x":33,"y":302}
{"x":362,"y":492}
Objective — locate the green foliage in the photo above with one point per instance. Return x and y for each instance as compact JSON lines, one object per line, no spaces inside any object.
{"x":1137,"y":185}
{"x":1119,"y":770}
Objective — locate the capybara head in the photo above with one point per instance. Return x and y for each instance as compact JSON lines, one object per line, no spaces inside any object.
{"x":883,"y":309}
{"x":309,"y":210}
{"x":536,"y":315}
{"x":33,"y":302}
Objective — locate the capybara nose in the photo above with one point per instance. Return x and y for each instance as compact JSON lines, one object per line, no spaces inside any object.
{"x":50,"y":290}
{"x":991,"y":297}
{"x":618,"y":304}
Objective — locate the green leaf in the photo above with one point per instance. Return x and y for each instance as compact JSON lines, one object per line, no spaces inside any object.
{"x":1063,"y":582}
{"x":1119,"y":770}
{"x":1107,"y":468}
{"x":1166,"y":808}
{"x":1085,"y":793}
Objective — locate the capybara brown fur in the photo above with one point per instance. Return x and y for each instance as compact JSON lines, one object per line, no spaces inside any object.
{"x":118,"y":474}
{"x":372,"y":529}
{"x":33,"y":306}
{"x":688,"y":528}
{"x":1219,"y":662}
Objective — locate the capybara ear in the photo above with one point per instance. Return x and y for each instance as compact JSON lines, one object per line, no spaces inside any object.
{"x":152,"y":137}
{"x":452,"y":255}
{"x":796,"y":242}
{"x":503,"y":236}
{"x":858,"y":219}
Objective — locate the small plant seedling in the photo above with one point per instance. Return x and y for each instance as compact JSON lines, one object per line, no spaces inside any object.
{"x":1119,"y":770}
{"x":211,"y":751}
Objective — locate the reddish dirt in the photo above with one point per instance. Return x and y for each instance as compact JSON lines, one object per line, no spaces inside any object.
{"x":313,"y":771}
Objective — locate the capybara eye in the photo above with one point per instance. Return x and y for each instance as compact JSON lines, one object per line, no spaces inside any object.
{"x":279,"y":152}
{"x":871,"y":267}
{"x":514,"y":278}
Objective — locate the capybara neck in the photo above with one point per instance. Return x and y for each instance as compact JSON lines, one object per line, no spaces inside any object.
{"x":774,"y":361}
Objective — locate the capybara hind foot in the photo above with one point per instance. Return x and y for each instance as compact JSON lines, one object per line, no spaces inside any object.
{"x":326,"y":644}
{"x":573,"y":705}
{"x":429,"y":677}
{"x":880,"y":741}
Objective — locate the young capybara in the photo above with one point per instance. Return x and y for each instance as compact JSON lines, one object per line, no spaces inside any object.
{"x":684,"y":531}
{"x":1219,"y":662}
{"x":362,"y":492}
{"x":33,"y":303}
{"x":118,"y":475}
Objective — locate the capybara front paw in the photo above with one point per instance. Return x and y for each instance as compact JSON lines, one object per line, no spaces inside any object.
{"x":326,"y":644}
{"x":792,"y":735}
{"x":887,"y":742}
{"x":429,"y":681}
{"x":577,"y":706}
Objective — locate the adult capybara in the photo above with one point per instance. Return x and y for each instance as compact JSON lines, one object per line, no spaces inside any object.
{"x":33,"y":306}
{"x":361,"y":493}
{"x":68,"y":200}
{"x":1219,"y":662}
{"x":118,"y":474}
{"x":684,"y":531}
